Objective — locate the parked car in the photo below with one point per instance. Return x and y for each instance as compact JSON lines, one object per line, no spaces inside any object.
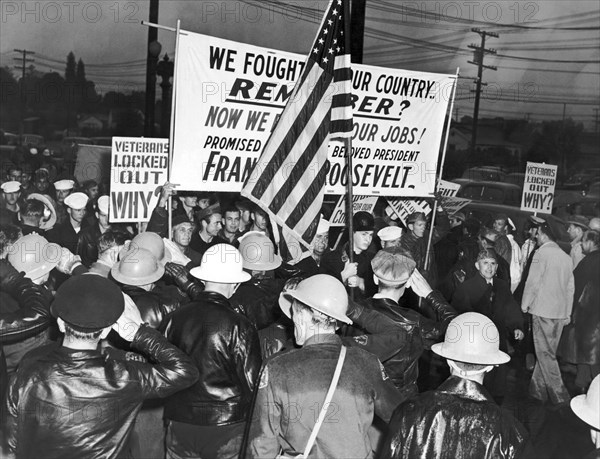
{"x":487,"y":173}
{"x":8,"y":143}
{"x":497,"y":192}
{"x":594,"y":189}
{"x":103,"y":141}
{"x":580,"y":181}
{"x":516,"y":178}
{"x":33,"y":141}
{"x":485,"y":212}
{"x":69,"y":146}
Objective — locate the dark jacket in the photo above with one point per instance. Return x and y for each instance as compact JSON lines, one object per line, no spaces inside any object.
{"x":291,"y":393}
{"x":394,"y":338}
{"x":494,"y":301}
{"x":333,"y":262}
{"x":402,"y":366}
{"x":580,"y":340}
{"x":87,"y":245}
{"x":64,"y":235}
{"x":417,"y":247}
{"x":32,"y":317}
{"x":66,"y":403}
{"x":258,"y":299}
{"x":152,"y":307}
{"x":224,"y":346}
{"x":458,"y":420}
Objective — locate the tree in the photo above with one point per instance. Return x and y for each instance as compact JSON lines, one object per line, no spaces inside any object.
{"x":555,"y":142}
{"x":70,"y":71}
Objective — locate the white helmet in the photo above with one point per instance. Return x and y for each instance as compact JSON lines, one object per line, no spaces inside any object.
{"x":472,"y":338}
{"x":587,"y":407}
{"x":221,"y":263}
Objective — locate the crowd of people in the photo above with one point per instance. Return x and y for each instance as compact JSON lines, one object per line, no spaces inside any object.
{"x":192,"y":336}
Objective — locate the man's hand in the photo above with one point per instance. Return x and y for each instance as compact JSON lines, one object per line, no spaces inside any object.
{"x":419,"y":285}
{"x":68,"y":261}
{"x":129,"y":323}
{"x":519,"y":335}
{"x":178,"y":274}
{"x":168,"y":189}
{"x":350,"y":269}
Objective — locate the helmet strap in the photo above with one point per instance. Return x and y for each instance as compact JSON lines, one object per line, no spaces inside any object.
{"x":467,"y":373}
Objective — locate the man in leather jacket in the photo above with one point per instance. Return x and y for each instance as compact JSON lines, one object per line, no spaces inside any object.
{"x":460,"y":418}
{"x":70,"y":401}
{"x":393,"y":268}
{"x":208,"y":419}
{"x":257,"y":298}
{"x":32,"y":318}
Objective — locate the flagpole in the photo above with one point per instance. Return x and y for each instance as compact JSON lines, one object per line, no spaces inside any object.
{"x":348,"y":147}
{"x":435,"y":204}
{"x":172,"y":130}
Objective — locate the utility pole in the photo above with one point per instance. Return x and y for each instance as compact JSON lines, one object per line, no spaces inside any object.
{"x":153,"y":51}
{"x":357,"y":24}
{"x":595,"y":120}
{"x":480,"y":52}
{"x":24,"y":59}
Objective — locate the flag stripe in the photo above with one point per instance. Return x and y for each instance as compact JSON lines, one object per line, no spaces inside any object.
{"x":315,"y":187}
{"x":285,"y":123}
{"x":289,"y":178}
{"x":341,"y":101}
{"x":302,"y":164}
{"x":279,"y":155}
{"x":308,"y":177}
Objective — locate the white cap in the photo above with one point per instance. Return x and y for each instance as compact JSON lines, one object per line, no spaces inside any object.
{"x":33,"y":151}
{"x":11,"y":187}
{"x":323,"y":226}
{"x":390,"y":233}
{"x":76,"y":200}
{"x":62,"y":185}
{"x":103,"y":204}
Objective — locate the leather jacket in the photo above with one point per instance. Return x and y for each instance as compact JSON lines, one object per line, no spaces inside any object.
{"x":392,"y":336}
{"x":152,"y":306}
{"x":32,"y":317}
{"x":459,"y":419}
{"x":434,"y":317}
{"x":87,"y":244}
{"x":225,"y":347}
{"x":258,"y":298}
{"x":90,"y":402}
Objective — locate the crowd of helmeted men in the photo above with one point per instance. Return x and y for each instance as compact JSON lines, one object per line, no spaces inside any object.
{"x":194,"y":335}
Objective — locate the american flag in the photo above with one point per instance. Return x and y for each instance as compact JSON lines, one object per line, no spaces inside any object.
{"x":289,"y":178}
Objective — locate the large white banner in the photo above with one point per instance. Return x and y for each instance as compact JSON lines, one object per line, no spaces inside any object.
{"x":138,"y":167}
{"x":229,"y":96}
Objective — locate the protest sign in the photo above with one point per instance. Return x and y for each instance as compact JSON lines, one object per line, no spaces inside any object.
{"x":538,"y":188}
{"x":232,"y":96}
{"x":404,"y":207}
{"x":452,"y":204}
{"x":447,"y":189}
{"x":92,"y":163}
{"x":359,"y":203}
{"x":398,"y":126}
{"x":138,"y":167}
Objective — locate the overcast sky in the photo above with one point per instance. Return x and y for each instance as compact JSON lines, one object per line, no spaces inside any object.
{"x":548,"y":51}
